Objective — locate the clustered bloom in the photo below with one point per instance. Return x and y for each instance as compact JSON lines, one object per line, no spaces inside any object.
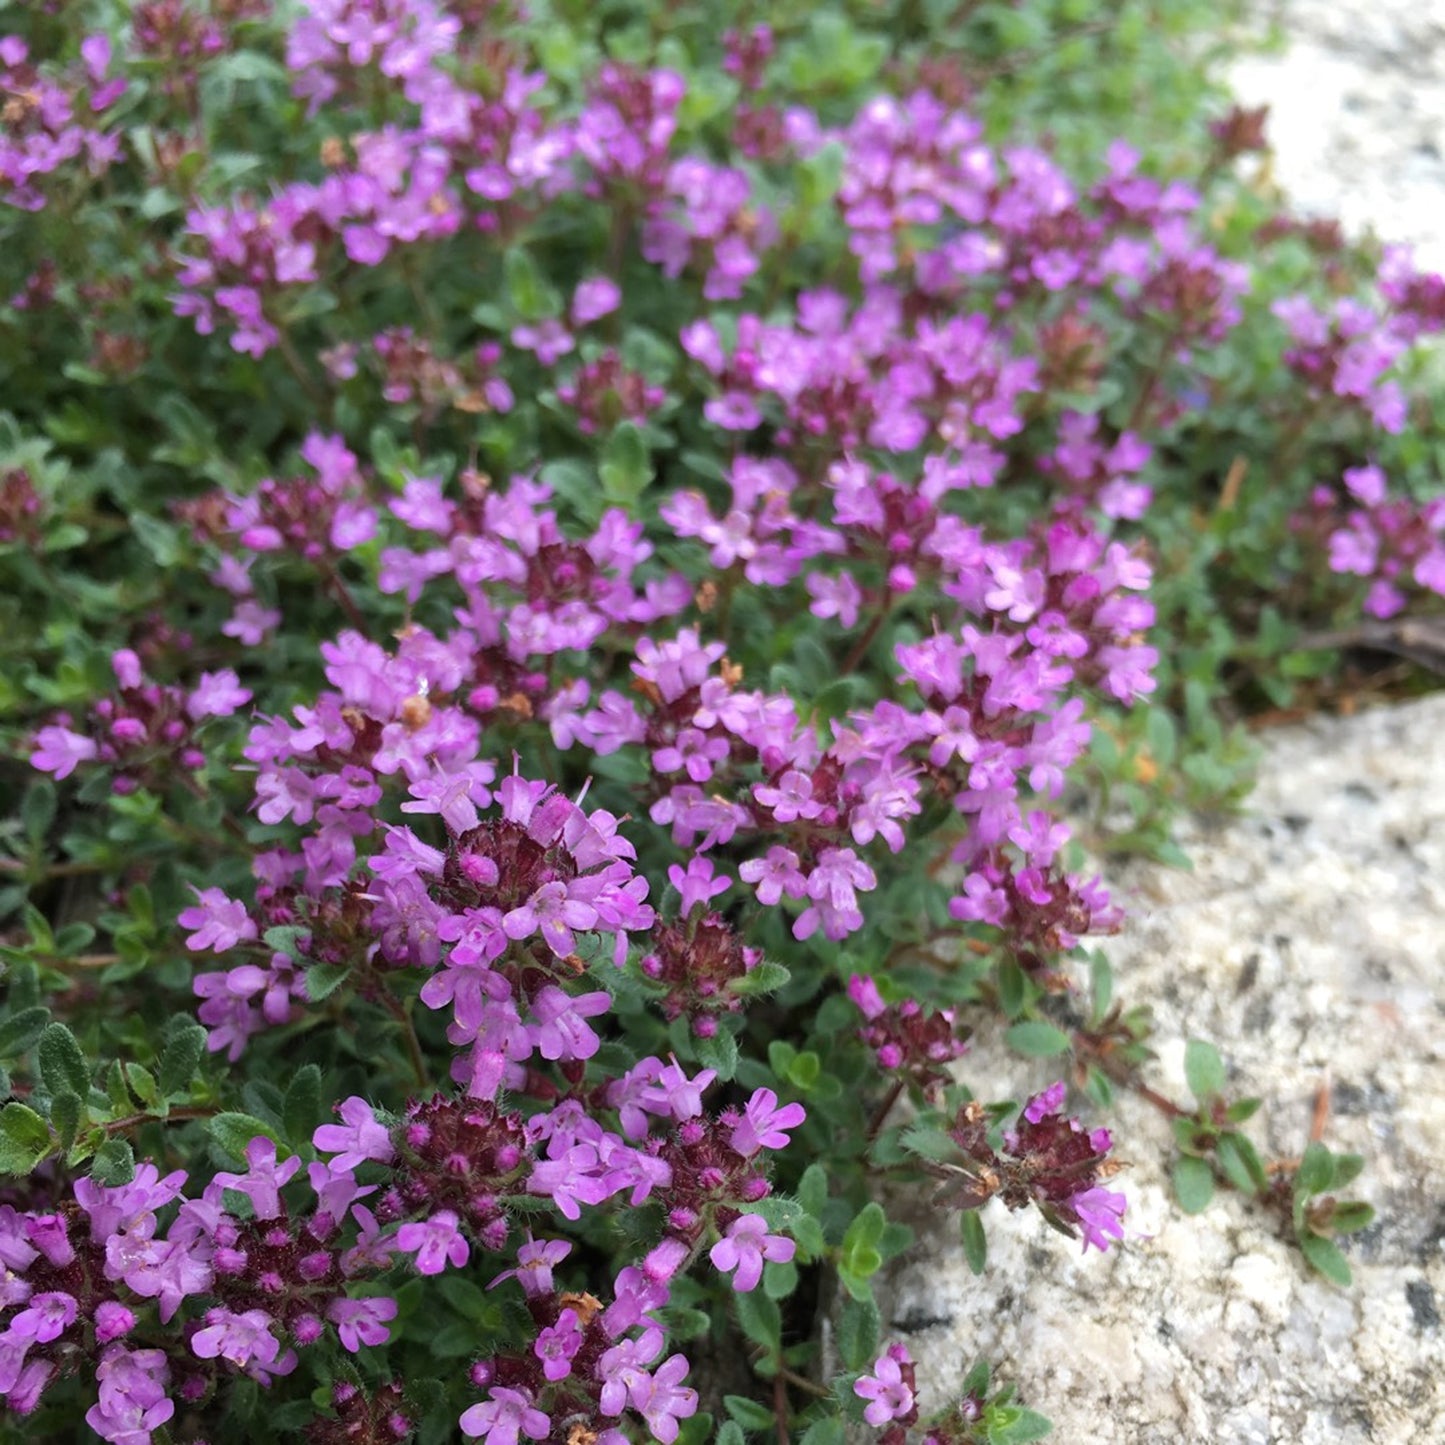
{"x":1048,"y":1160}
{"x":144,"y":733}
{"x":940,"y":688}
{"x":1396,"y":544}
{"x":255,"y":1276}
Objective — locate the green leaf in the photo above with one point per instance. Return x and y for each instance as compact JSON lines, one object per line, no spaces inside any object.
{"x":114,"y":1164}
{"x":1351,"y":1215}
{"x":1019,"y":1427}
{"x":465,"y":1296}
{"x":1240,"y":1162}
{"x":1347,"y":1169}
{"x":813,"y":1190}
{"x":1101,"y":983}
{"x":1203,"y":1070}
{"x":867,"y":1227}
{"x":180,"y":1058}
{"x":626,"y":468}
{"x":830,"y":1430}
{"x":766,"y":977}
{"x":720,"y":1052}
{"x":19,"y":1032}
{"x":929,"y":1142}
{"x":859,"y":1329}
{"x":526,"y":288}
{"x":62,"y":1065}
{"x":323,"y":979}
{"x":1193,"y":1184}
{"x":24,"y":1139}
{"x":37,"y":812}
{"x":761,"y":1320}
{"x":1316,"y":1172}
{"x":1244,"y":1109}
{"x":65,"y":1117}
{"x":1036,"y":1039}
{"x":232,"y":1132}
{"x":302,"y":1110}
{"x":975,"y":1240}
{"x":1325,"y":1256}
{"x":142,"y":1084}
{"x":748,"y":1413}
{"x":730,"y":1433}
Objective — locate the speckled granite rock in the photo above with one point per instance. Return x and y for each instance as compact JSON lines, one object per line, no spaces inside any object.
{"x":1309,"y":943}
{"x":1357,"y":114}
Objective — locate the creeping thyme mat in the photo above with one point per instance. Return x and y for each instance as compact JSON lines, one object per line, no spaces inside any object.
{"x":576,"y":584}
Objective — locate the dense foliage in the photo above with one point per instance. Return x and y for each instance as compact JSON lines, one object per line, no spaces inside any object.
{"x":570,"y":575}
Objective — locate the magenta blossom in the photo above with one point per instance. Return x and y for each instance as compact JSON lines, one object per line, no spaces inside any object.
{"x":744,"y":1248}
{"x":763,"y":1124}
{"x":889,"y":1393}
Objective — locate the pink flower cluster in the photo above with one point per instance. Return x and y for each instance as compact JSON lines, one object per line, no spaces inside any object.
{"x":146,"y":731}
{"x":1392,"y":541}
{"x":255,"y":1281}
{"x":45,"y":119}
{"x":1048,"y":1160}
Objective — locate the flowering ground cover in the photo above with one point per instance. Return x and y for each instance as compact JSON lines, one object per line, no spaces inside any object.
{"x":576,"y":581}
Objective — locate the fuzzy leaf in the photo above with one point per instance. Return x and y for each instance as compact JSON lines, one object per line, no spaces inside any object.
{"x":1325,"y":1256}
{"x":62,"y":1065}
{"x":19,"y":1032}
{"x":114,"y":1164}
{"x":232,"y":1132}
{"x":302,"y":1110}
{"x":859,"y":1328}
{"x":1316,"y":1172}
{"x":1193,"y":1184}
{"x":975,"y":1240}
{"x":1036,"y":1039}
{"x":1204,"y":1070}
{"x":1240,"y":1163}
{"x":24,"y":1139}
{"x":180,"y":1059}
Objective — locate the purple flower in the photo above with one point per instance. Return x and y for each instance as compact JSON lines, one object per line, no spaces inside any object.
{"x":890,"y":1394}
{"x":507,"y":1414}
{"x":133,"y":1399}
{"x":662,"y":1400}
{"x":775,"y":874}
{"x":46,"y":1317}
{"x":361,"y":1321}
{"x":240,"y":1338}
{"x":435,"y":1242}
{"x":1099,"y":1212}
{"x":1050,"y":1101}
{"x":217,"y":694}
{"x":561,"y":1031}
{"x":698,"y":886}
{"x":534,"y":1266}
{"x":218,"y":923}
{"x":357,"y":1138}
{"x":745,"y":1247}
{"x":263,"y":1181}
{"x":554,"y":914}
{"x":59,"y":751}
{"x":558,"y":1344}
{"x":594,"y":298}
{"x":623,"y":1367}
{"x":112,"y":1320}
{"x":762,"y":1124}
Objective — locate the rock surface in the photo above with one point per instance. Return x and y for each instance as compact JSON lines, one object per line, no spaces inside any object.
{"x":1309,"y":944}
{"x":1357,"y":114}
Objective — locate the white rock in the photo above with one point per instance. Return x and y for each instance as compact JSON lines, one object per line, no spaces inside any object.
{"x":1309,"y":944}
{"x":1357,"y":114}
